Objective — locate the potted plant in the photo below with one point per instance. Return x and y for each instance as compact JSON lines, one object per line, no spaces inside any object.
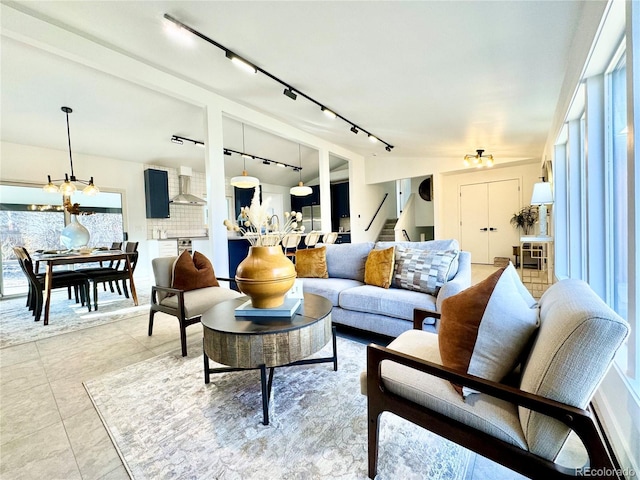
{"x":525,"y":219}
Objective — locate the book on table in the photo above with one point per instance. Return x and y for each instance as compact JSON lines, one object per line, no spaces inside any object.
{"x":287,"y":309}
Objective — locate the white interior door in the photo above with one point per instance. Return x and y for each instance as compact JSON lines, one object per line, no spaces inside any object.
{"x":474,"y":221}
{"x":504,"y":199}
{"x":485,"y":212}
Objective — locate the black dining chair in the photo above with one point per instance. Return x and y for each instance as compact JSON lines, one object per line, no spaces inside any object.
{"x":119,"y":272}
{"x":36,"y":282}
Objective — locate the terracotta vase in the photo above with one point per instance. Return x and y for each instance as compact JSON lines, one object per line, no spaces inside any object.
{"x":74,"y":235}
{"x":265,"y":276}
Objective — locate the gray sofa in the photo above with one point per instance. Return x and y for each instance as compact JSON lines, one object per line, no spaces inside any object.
{"x":375,"y":309}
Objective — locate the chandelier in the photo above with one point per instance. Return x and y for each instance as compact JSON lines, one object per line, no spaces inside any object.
{"x":68,"y":187}
{"x":478,"y":160}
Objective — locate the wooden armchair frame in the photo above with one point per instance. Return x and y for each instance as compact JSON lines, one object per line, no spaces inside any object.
{"x":179,"y":312}
{"x":511,"y":456}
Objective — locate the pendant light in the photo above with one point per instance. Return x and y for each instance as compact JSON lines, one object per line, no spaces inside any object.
{"x":244,"y":180}
{"x":300,"y":190}
{"x":68,"y":187}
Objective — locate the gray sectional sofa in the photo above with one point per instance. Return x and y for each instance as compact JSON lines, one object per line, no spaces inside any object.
{"x":375,"y":309}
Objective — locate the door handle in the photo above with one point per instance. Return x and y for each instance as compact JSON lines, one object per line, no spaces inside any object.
{"x":483,"y":229}
{"x":493,"y":229}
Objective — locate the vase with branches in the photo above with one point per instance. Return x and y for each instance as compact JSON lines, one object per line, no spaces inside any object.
{"x":525,"y":219}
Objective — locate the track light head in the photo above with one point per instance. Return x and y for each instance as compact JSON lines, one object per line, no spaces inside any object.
{"x":241,"y":62}
{"x":354,"y":129}
{"x":176,"y":140}
{"x":388,"y":148}
{"x":328,"y":112}
{"x":373,"y":138}
{"x":266,"y":162}
{"x":227,"y":152}
{"x":290,"y":93}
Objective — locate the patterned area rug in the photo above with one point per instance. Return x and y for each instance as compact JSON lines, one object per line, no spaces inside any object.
{"x":17,"y":325}
{"x":166,"y":423}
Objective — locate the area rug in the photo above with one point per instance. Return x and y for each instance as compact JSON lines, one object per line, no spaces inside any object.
{"x":166,"y":423}
{"x":17,"y":325}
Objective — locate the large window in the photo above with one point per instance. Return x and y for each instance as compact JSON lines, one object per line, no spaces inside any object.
{"x":34,"y":219}
{"x":617,"y":136}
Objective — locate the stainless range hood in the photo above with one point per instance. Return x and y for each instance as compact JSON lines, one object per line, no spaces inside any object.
{"x":184,"y":196}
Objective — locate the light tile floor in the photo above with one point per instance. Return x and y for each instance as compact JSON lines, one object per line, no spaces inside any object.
{"x":48,"y":426}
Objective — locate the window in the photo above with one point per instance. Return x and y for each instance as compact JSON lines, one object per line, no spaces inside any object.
{"x":617,"y":133}
{"x":34,"y":219}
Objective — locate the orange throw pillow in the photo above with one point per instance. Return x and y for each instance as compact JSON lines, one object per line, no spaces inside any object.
{"x":193,"y":273}
{"x":312,"y":263}
{"x":485,"y":329}
{"x":378,"y":269}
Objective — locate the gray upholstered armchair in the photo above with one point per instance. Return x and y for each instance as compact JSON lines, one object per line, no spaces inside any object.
{"x":522,"y":427}
{"x":186,"y":306}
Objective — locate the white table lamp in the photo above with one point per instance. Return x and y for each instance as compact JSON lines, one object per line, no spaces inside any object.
{"x":542,"y":196}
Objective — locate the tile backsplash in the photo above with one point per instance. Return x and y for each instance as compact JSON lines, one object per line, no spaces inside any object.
{"x":184,"y":220}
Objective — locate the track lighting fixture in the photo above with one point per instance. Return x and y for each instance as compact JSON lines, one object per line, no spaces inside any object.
{"x":288,"y":91}
{"x":478,"y":160}
{"x":373,"y":138}
{"x":178,"y":140}
{"x":265,"y":161}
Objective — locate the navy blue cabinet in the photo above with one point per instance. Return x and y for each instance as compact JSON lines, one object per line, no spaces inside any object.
{"x":243,"y":197}
{"x":156,"y":193}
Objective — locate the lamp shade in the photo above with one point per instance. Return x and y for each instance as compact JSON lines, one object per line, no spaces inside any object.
{"x":541,"y":194}
{"x":300,"y":190}
{"x":244,"y":181}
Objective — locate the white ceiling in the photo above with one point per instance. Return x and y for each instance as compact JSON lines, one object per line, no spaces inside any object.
{"x":435,"y":79}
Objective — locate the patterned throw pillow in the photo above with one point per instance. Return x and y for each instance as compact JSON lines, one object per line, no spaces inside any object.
{"x":378,"y":269}
{"x":423,"y":270}
{"x":193,"y":273}
{"x":312,"y":263}
{"x":485,"y":328}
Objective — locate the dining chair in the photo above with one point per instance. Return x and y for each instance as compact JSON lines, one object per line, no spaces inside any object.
{"x":330,"y":237}
{"x":119,"y":272}
{"x":35,"y":299}
{"x":290,"y":244}
{"x":311,"y":239}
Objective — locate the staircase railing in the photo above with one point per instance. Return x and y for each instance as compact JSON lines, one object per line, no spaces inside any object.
{"x":406,"y":235}
{"x":377,"y":211}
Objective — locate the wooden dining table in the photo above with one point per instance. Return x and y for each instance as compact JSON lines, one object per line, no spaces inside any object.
{"x":71,"y":258}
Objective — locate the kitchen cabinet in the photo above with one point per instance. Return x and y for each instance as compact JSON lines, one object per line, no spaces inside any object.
{"x":202,"y":245}
{"x":339,"y":204}
{"x":243,"y":197}
{"x":298,"y":202}
{"x":162,"y":248}
{"x":343,"y":238}
{"x":156,"y":193}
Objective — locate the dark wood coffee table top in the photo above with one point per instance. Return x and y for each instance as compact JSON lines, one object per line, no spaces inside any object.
{"x":221,"y":317}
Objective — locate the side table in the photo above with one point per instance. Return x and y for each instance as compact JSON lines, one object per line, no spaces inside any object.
{"x":540,"y":248}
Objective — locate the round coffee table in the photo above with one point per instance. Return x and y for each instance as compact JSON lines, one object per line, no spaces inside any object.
{"x":262,"y":342}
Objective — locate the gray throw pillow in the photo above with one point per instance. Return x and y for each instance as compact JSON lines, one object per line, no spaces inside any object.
{"x":423,"y":270}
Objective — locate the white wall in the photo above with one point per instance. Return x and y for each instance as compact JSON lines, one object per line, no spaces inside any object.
{"x":424,"y":216}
